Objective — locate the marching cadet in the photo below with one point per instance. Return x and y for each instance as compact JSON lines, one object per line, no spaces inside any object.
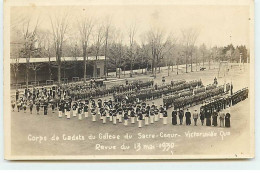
{"x":94,"y":116}
{"x":152,"y":115}
{"x":85,"y":110}
{"x":120,"y":115}
{"x":110,"y":115}
{"x":146,"y":119}
{"x":161,"y":112}
{"x":195,"y":116}
{"x":165,"y":117}
{"x":45,"y":107}
{"x":114,"y":116}
{"x":156,"y":112}
{"x":104,"y":116}
{"x":174,"y":117}
{"x":132,"y":115}
{"x":80,"y":111}
{"x":140,"y":119}
{"x":24,"y":107}
{"x":53,"y":107}
{"x":125,"y":119}
{"x":181,"y":115}
{"x":61,"y":109}
{"x":37,"y":107}
{"x":74,"y":109}
{"x":68,"y":110}
{"x":31,"y":106}
{"x":221,"y":118}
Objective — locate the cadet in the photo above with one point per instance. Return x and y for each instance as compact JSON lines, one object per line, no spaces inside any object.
{"x":80,"y":111}
{"x":103,"y":114}
{"x":74,"y":109}
{"x":94,"y":117}
{"x":161,"y":112}
{"x":174,"y":117}
{"x":114,"y":117}
{"x":125,"y":119}
{"x":152,"y":116}
{"x":86,"y":110}
{"x":181,"y":115}
{"x":146,"y":121}
{"x":156,"y":112}
{"x":165,"y":117}
{"x":132,"y":114}
{"x":195,"y":117}
{"x":31,"y":106}
{"x":13,"y":105}
{"x":140,"y":119}
{"x":37,"y":107}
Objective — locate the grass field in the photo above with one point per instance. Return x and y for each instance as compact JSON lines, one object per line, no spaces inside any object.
{"x":154,"y":139}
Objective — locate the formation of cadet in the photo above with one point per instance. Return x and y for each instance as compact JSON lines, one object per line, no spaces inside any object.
{"x":133,"y":108}
{"x":194,"y":96}
{"x":158,"y":91}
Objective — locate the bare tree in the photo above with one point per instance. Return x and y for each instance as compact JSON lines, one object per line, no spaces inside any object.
{"x":98,"y":38}
{"x":189,"y":37}
{"x":158,"y":43}
{"x":59,"y":24}
{"x":85,"y":26}
{"x":15,"y":67}
{"x":29,"y":43}
{"x":107,"y":30}
{"x":131,"y":34}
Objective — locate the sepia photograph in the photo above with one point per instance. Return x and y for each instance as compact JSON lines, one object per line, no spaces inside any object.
{"x":106,"y":80}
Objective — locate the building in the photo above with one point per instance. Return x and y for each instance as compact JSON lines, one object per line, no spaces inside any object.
{"x":42,"y":69}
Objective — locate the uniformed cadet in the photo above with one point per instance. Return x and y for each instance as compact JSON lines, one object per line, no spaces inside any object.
{"x":24,"y":107}
{"x":37,"y":107}
{"x":103,"y":114}
{"x":156,"y":112}
{"x":114,"y":117}
{"x":146,"y":119}
{"x":120,"y":115}
{"x":110,"y":115}
{"x":94,"y":116}
{"x":195,"y":116}
{"x":74,"y":109}
{"x":140,"y":119}
{"x":161,"y":112}
{"x":152,"y":116}
{"x":31,"y":106}
{"x":165,"y":117}
{"x":85,"y":110}
{"x":80,"y":111}
{"x":125,"y":119}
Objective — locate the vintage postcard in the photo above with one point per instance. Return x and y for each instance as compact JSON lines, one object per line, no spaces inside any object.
{"x":121,"y":79}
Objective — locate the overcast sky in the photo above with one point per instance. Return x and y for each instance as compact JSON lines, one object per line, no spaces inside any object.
{"x":215,"y":23}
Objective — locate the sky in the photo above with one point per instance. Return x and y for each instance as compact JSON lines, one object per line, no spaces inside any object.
{"x":218,"y":25}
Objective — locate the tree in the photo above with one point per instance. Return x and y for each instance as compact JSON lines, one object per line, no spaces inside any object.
{"x":85,"y":29}
{"x":59,"y":24}
{"x":189,"y":37}
{"x":98,"y":38}
{"x":29,"y":43}
{"x":107,"y":30}
{"x":131,"y":35}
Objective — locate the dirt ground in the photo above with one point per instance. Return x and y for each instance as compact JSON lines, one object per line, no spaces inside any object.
{"x":39,"y":135}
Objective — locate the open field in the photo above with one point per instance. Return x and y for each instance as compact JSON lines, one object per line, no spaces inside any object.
{"x":154,"y":139}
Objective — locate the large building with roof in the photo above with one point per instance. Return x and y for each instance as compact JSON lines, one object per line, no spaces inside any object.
{"x":46,"y":69}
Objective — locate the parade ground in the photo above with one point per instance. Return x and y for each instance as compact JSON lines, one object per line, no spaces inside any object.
{"x":49,"y":135}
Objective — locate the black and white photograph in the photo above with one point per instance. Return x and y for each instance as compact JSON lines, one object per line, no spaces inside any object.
{"x":104,"y":80}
